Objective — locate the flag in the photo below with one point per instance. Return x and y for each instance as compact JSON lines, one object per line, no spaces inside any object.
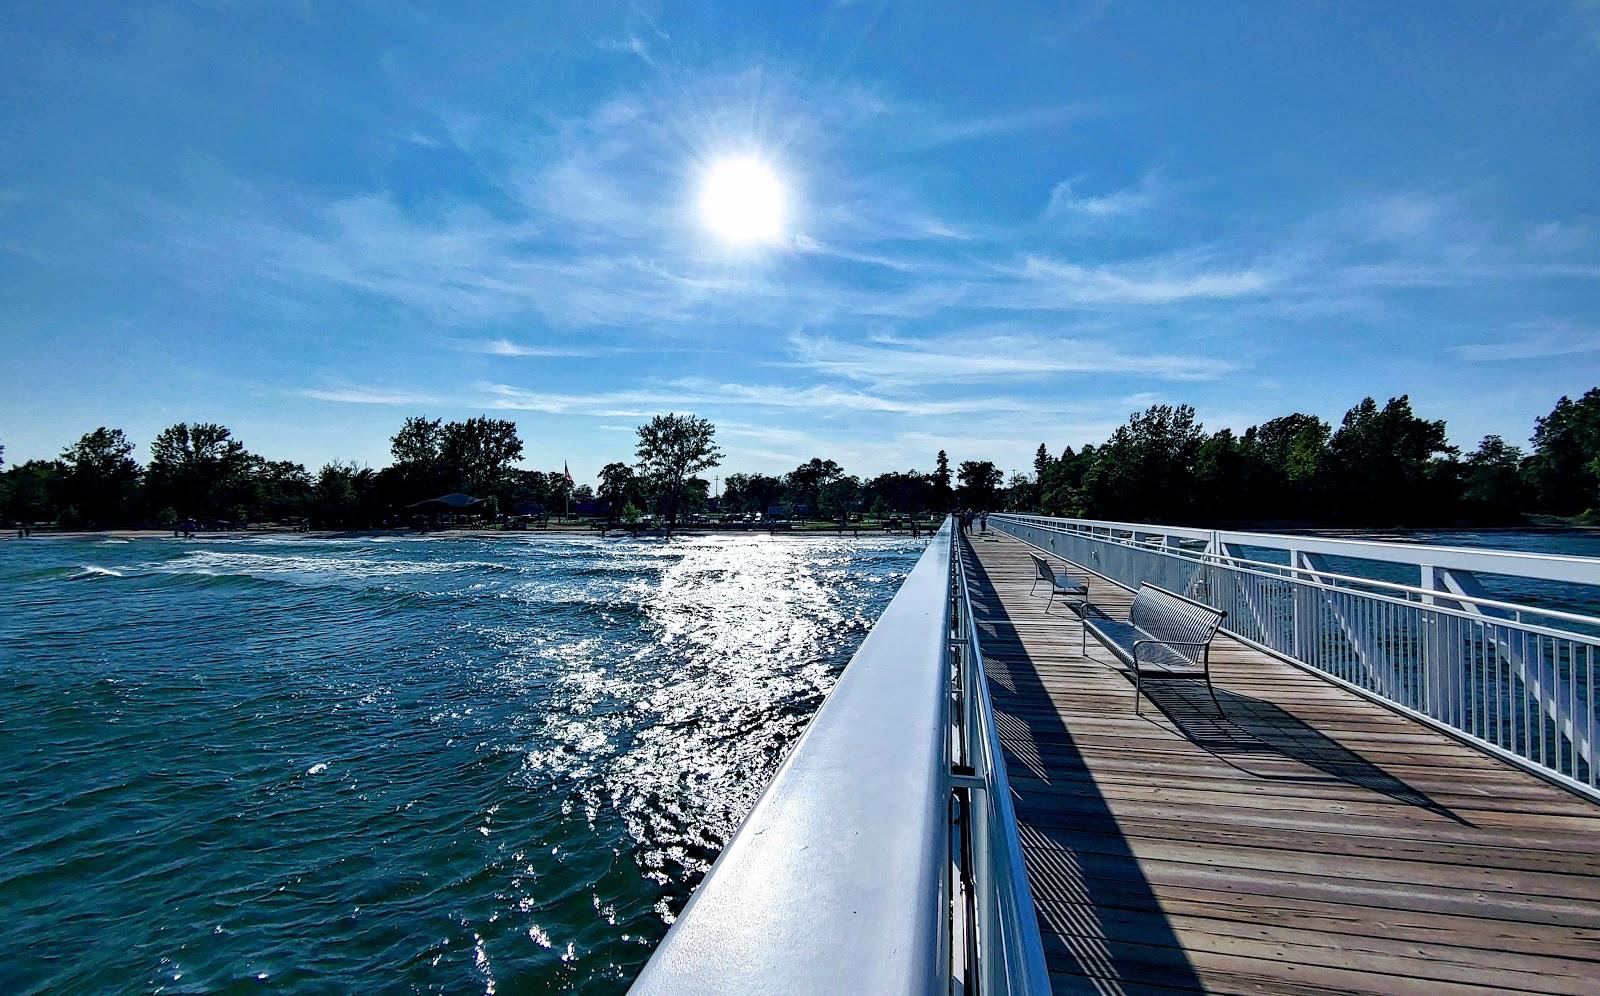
{"x":566,"y":470}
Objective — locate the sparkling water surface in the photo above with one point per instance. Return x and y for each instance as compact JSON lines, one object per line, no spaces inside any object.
{"x":394,"y":764}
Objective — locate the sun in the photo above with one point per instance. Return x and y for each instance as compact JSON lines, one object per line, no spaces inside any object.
{"x":742,"y":202}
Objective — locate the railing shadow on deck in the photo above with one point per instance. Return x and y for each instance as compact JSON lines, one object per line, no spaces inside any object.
{"x":1254,"y":727}
{"x":1102,"y":922}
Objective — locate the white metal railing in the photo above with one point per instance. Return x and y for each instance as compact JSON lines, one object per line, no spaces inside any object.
{"x":883,"y":857}
{"x":1007,"y":954}
{"x":1516,"y":679}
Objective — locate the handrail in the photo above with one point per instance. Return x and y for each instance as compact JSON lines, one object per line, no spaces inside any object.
{"x":840,"y":880}
{"x":1011,"y":952}
{"x":1321,"y":577}
{"x":1514,"y":563}
{"x":835,"y":881}
{"x":1523,"y":692}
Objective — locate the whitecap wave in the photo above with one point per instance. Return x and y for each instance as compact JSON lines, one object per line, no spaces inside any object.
{"x":91,"y":571}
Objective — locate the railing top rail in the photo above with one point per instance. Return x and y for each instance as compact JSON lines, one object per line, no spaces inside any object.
{"x":1513,"y":563}
{"x":1330,"y":581}
{"x":1320,"y":576}
{"x":830,"y":884}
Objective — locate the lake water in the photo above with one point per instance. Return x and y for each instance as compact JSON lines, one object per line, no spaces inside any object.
{"x":394,"y":764}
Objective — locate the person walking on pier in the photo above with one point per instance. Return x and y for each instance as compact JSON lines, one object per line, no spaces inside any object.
{"x":983,"y":523}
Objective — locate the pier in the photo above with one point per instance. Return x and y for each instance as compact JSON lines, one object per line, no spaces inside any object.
{"x":1399,"y":795}
{"x":1310,"y":839}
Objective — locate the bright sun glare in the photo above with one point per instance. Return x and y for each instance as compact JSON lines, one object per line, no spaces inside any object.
{"x":742,"y":202}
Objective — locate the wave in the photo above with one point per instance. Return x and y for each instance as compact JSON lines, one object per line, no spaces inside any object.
{"x":87,"y":571}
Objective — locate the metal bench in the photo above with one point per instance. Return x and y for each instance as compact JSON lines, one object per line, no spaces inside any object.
{"x":1069,"y":588}
{"x":1166,"y":636}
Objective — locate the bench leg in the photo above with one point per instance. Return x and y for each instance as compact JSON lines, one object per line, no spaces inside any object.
{"x":1213,"y":691}
{"x":1052,"y":598}
{"x":1138,"y":692}
{"x":1035,"y":586}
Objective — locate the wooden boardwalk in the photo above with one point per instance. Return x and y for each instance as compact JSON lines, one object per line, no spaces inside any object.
{"x":1310,"y":841}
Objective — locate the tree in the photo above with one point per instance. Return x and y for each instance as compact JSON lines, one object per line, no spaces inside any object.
{"x":345,"y":496}
{"x":415,"y":450}
{"x":980,"y":482}
{"x":1389,"y":466}
{"x":672,"y":448}
{"x":907,"y":492}
{"x":1220,"y":479}
{"x":476,"y":455}
{"x":750,"y":493}
{"x":1061,"y":489}
{"x":101,"y":478}
{"x":30,"y":490}
{"x":1564,"y":470}
{"x":1021,"y":493}
{"x":807,"y":480}
{"x":1145,"y":471}
{"x":1492,"y":488}
{"x":618,"y":487}
{"x":283,"y":490}
{"x":1041,"y":462}
{"x":942,"y":495}
{"x":839,"y":497}
{"x":199,"y":470}
{"x":1284,"y":465}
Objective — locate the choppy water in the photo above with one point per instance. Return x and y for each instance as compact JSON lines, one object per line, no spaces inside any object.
{"x":396,"y":764}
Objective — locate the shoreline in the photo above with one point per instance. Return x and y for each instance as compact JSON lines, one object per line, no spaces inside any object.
{"x":556,"y":530}
{"x":807,"y":529}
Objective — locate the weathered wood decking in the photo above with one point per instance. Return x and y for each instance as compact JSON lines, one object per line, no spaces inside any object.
{"x":1310,"y":841}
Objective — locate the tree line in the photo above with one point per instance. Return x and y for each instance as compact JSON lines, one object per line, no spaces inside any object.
{"x":1382,"y":465}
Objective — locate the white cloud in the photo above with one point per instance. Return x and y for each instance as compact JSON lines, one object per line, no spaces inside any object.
{"x":1536,"y":341}
{"x":1156,"y":281}
{"x":989,"y":355}
{"x":1065,"y":200}
{"x":505,"y":347}
{"x":366,"y":396}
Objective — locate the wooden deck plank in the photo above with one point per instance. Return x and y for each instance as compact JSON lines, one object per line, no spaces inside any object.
{"x":1306,"y":841}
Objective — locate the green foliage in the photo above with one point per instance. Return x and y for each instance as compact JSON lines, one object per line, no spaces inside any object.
{"x":1564,"y":470}
{"x":631,"y":514}
{"x":434,"y":457}
{"x":906,"y":492}
{"x":1389,"y":466}
{"x":31,"y":489}
{"x":943,"y":496}
{"x":1146,"y":468}
{"x":839,"y":497}
{"x":979,"y":487}
{"x":199,"y":469}
{"x":805,"y":482}
{"x":671,"y":448}
{"x":751,"y":493}
{"x":1384,"y":465}
{"x":1492,"y":489}
{"x":618,"y":486}
{"x":101,"y":479}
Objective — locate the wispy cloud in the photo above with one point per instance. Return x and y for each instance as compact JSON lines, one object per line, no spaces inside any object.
{"x":366,"y":396}
{"x":1161,"y":280}
{"x":506,"y":347}
{"x":980,"y":356}
{"x":1555,"y":339}
{"x":1066,"y":201}
{"x":988,"y":126}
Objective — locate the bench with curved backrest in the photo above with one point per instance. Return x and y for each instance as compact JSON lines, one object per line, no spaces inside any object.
{"x":1166,"y":636}
{"x":1073,"y":591}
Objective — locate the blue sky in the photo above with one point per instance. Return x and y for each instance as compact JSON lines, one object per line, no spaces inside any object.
{"x":1007,"y":224}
